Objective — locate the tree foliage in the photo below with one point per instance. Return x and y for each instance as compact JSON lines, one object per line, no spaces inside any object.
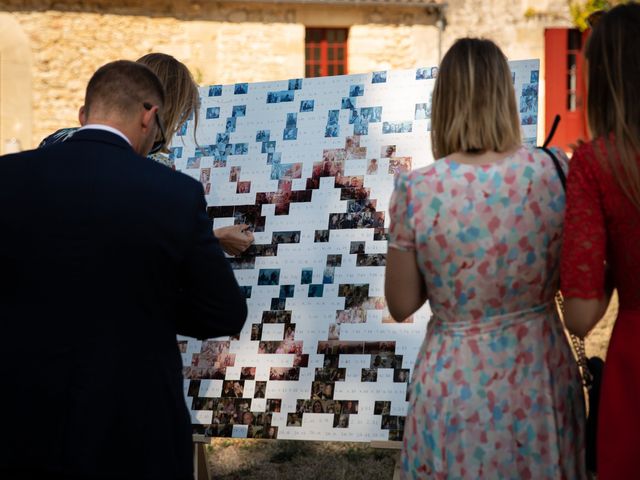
{"x":580,"y":10}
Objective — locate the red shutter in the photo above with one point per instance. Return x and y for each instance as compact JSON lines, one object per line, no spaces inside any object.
{"x":565,"y":85}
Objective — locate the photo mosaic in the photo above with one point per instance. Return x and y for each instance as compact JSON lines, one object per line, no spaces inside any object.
{"x":309,"y":165}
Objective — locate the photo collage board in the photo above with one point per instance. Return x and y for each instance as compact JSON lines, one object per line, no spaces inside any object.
{"x":309,"y":165}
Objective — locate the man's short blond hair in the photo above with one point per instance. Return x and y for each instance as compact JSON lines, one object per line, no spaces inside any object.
{"x":121,"y":87}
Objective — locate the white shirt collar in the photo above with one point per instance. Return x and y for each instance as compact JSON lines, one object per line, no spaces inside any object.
{"x":106,"y":128}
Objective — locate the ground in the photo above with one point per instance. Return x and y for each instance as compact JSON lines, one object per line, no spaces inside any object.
{"x":231,"y":459}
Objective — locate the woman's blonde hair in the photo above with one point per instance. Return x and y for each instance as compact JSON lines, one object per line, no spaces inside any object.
{"x":182,"y":98}
{"x":474,"y":106}
{"x":613,"y":102}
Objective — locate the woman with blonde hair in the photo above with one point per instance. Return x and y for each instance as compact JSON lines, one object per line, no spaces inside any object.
{"x":181,"y":103}
{"x":495,"y":391}
{"x":602,"y":224}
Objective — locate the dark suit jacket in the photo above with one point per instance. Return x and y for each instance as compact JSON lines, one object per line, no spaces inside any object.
{"x":104,"y":257}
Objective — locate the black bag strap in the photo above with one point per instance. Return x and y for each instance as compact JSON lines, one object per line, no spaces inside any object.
{"x":577,"y":343}
{"x":556,"y":162}
{"x":552,"y":132}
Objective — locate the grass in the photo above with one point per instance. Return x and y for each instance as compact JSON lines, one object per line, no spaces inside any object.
{"x":292,"y":460}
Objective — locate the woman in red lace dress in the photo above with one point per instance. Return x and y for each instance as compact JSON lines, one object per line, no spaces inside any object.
{"x":603,"y":225}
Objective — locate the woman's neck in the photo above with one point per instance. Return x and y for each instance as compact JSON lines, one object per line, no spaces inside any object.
{"x":481,"y":158}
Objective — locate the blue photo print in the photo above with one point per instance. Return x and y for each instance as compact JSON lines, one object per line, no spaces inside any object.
{"x":286,"y":291}
{"x":203,"y":151}
{"x":269,"y":147}
{"x":423,"y":111}
{"x":397,"y":127}
{"x":360,"y":127}
{"x":182,"y":130}
{"x":222,"y":138}
{"x":316,"y":290}
{"x":356,"y":90}
{"x":274,"y":158}
{"x":290,"y":134}
{"x":529,"y":100}
{"x":269,"y":276}
{"x":292,"y":120}
{"x":241,"y":149}
{"x":230,"y":126}
{"x":295,"y":84}
{"x":306,"y":105}
{"x":371,"y":114}
{"x":348,"y":103}
{"x":332,"y":130}
{"x":426,"y":73}
{"x":215,"y":90}
{"x":241,"y":88}
{"x":306,"y":277}
{"x":175,"y":152}
{"x":212,"y":112}
{"x":379,"y":77}
{"x":193,"y":162}
{"x":281,"y":96}
{"x":262,"y":135}
{"x":239,"y":111}
{"x":535,"y":76}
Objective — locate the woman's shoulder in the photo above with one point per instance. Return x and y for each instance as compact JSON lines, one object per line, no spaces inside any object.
{"x":586,"y":153}
{"x":544,"y":156}
{"x":428,"y":172}
{"x":58,"y":137}
{"x":162,"y":159}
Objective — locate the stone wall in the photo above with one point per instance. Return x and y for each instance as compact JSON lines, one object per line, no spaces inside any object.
{"x":233,"y":42}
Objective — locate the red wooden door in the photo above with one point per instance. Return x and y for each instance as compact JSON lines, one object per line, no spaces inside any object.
{"x":565,"y":85}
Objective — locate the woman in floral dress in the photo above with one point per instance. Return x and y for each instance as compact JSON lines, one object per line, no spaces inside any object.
{"x":496,"y":392}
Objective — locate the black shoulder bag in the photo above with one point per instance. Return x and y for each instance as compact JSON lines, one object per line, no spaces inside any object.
{"x":590,"y":368}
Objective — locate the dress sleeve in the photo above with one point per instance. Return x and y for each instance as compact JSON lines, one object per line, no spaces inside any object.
{"x":584,"y":237}
{"x":401,"y":231}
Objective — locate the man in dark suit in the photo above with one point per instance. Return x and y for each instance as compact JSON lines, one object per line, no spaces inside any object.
{"x":104,"y":257}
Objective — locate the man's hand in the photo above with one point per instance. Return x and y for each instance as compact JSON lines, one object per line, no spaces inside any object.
{"x":234,"y":239}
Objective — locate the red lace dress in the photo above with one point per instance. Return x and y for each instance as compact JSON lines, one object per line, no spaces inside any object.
{"x":602,"y":224}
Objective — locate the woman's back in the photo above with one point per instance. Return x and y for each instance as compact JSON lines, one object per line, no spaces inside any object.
{"x":495,"y":381}
{"x":487,"y":236}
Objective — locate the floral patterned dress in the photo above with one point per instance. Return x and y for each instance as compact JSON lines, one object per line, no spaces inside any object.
{"x":496,"y":392}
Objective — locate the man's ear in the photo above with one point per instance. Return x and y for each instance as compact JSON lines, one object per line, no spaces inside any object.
{"x":148,"y":118}
{"x":82,"y":115}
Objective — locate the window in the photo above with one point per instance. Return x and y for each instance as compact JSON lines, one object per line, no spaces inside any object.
{"x":326,"y":52}
{"x":574,"y":45}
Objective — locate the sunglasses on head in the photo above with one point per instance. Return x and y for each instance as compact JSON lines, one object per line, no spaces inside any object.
{"x":158,"y":144}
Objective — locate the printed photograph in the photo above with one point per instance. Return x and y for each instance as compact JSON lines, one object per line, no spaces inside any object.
{"x":379,"y":77}
{"x":212,"y":112}
{"x":215,"y":90}
{"x":240,"y":88}
{"x":306,"y":105}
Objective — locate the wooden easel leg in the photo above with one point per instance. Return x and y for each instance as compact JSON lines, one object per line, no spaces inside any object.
{"x":200,"y":464}
{"x":397,"y":471}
